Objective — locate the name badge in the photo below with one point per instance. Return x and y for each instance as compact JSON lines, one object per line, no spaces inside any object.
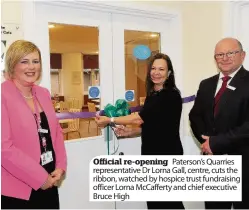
{"x":231,"y":87}
{"x":46,"y":158}
{"x":42,"y":130}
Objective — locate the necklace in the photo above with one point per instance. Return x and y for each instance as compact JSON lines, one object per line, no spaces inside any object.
{"x":28,"y":97}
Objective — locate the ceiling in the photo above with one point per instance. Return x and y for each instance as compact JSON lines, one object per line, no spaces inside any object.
{"x":72,"y":38}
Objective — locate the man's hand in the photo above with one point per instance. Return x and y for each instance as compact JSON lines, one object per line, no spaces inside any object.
{"x":205,"y":147}
{"x":49,"y":183}
{"x":57,"y":175}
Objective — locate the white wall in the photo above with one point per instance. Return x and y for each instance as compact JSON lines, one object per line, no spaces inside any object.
{"x":202,"y":28}
{"x":12,"y":22}
{"x":239,"y":15}
{"x":236,"y":19}
{"x":245,"y":33}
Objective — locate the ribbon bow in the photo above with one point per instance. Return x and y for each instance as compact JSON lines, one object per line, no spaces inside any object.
{"x":121,"y":108}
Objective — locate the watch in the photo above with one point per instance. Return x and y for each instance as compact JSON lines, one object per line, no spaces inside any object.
{"x":112,"y":124}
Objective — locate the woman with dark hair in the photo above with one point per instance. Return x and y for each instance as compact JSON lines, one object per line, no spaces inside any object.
{"x":159,"y":118}
{"x":168,"y":82}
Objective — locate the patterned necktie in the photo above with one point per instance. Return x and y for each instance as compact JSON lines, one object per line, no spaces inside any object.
{"x":220,"y":92}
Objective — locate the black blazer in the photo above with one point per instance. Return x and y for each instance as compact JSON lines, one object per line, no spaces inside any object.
{"x":229,"y":129}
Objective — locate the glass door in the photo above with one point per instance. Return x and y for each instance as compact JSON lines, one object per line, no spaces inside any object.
{"x":82,"y":49}
{"x":135,"y":39}
{"x":76,"y":47}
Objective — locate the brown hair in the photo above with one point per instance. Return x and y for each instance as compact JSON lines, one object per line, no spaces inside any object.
{"x":169,"y":83}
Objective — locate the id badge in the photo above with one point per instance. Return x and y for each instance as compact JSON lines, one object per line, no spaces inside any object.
{"x":46,"y":158}
{"x":42,"y":130}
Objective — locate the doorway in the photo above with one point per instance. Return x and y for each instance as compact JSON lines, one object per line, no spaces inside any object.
{"x":115,"y":25}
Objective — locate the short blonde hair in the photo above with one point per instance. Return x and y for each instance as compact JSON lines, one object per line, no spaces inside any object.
{"x":16,"y":51}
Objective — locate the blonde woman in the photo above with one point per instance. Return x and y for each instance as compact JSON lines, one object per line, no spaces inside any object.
{"x":32,"y":149}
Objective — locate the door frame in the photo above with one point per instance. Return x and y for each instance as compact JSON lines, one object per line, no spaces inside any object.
{"x":232,"y":17}
{"x":233,"y":25}
{"x":77,"y":149}
{"x":136,"y":9}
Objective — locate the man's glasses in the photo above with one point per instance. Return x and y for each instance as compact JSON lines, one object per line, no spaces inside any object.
{"x":228,"y":54}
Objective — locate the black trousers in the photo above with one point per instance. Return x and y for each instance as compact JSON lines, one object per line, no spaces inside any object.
{"x":244,"y":204}
{"x":165,"y":205}
{"x":227,"y":205}
{"x":40,"y":199}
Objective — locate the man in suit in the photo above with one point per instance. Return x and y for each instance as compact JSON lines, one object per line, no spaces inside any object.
{"x":220,"y":116}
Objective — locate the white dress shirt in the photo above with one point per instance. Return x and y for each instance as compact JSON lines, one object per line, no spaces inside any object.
{"x":219,"y":84}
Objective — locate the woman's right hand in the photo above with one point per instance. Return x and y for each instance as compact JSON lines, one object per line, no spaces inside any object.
{"x":50,"y":182}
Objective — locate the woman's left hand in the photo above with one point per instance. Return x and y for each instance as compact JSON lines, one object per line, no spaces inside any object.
{"x":57,"y":174}
{"x":102,"y":121}
{"x":122,"y":131}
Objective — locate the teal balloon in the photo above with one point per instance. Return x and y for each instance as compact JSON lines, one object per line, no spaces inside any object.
{"x":141,"y":52}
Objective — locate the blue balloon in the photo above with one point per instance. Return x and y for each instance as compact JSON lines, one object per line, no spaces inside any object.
{"x":142,"y":52}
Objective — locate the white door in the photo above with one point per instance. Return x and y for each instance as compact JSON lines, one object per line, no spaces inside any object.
{"x":116,"y":33}
{"x":74,"y":192}
{"x":130,"y":67}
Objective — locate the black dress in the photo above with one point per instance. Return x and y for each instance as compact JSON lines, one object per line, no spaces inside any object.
{"x":40,"y":199}
{"x":160,"y":131}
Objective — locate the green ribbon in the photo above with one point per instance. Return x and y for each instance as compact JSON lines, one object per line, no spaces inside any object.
{"x":121,"y":108}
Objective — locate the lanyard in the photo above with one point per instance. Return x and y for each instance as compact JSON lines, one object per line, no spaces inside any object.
{"x":37,"y":114}
{"x":38,"y":122}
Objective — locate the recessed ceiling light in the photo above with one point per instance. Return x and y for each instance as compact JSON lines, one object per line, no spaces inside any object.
{"x":153,"y":35}
{"x":51,"y":26}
